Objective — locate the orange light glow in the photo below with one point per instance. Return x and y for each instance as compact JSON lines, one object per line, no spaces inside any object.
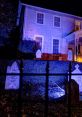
{"x":79,"y":59}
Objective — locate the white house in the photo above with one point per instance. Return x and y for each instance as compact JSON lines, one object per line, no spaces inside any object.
{"x":56,"y":32}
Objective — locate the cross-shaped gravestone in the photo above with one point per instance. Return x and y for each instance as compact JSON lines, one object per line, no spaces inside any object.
{"x":77,"y":67}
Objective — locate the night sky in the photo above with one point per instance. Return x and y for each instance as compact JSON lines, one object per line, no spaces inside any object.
{"x":67,"y":6}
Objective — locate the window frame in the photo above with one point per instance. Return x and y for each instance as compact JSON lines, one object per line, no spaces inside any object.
{"x":53,"y":46}
{"x":54,"y":22}
{"x":42,"y":40}
{"x":37,"y":19}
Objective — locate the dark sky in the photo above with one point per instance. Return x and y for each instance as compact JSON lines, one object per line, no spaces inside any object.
{"x":67,"y":6}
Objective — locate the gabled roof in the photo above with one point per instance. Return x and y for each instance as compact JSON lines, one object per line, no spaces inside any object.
{"x":74,"y":35}
{"x":52,"y":11}
{"x":70,"y":7}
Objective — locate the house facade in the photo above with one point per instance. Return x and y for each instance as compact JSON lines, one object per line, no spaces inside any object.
{"x":58,"y":34}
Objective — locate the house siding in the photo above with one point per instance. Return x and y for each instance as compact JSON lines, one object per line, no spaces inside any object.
{"x":48,"y":30}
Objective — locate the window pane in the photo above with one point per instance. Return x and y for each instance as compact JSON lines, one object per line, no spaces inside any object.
{"x":40,"y":17}
{"x":57,"y":21}
{"x":57,"y":24}
{"x":39,"y":42}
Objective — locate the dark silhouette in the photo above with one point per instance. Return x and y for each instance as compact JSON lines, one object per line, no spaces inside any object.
{"x":73,"y":92}
{"x":9,"y":50}
{"x":15,"y":47}
{"x":27,"y":49}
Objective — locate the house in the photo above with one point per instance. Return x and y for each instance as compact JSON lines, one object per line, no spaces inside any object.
{"x":58,"y":34}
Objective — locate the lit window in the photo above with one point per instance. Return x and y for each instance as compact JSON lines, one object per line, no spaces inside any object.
{"x":40,"y":18}
{"x":77,"y":25}
{"x":39,"y":42}
{"x":55,"y":46}
{"x":57,"y":21}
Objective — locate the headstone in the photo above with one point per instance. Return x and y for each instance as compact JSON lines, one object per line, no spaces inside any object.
{"x":74,"y":92}
{"x":77,"y":78}
{"x":38,"y":54}
{"x":12,"y":81}
{"x":70,"y":55}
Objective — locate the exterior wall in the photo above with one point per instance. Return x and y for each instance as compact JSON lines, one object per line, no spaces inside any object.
{"x":47,"y":30}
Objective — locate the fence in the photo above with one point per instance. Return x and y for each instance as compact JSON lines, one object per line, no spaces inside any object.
{"x":45,"y":105}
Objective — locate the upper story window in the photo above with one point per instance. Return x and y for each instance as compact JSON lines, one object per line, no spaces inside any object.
{"x":40,"y":18}
{"x":57,"y":21}
{"x":77,"y":25}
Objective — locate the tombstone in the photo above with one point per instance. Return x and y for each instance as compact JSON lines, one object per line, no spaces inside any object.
{"x":74,"y":92}
{"x":70,"y":55}
{"x":77,"y":78}
{"x":38,"y":54}
{"x":12,"y":81}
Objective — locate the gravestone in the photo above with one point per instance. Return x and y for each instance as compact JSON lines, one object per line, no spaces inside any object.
{"x":38,"y":54}
{"x":74,"y":92}
{"x":77,"y":78}
{"x":12,"y":81}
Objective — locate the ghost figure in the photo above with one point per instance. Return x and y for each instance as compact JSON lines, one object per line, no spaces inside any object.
{"x":38,"y":54}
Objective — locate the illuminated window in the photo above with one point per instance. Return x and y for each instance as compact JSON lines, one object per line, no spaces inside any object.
{"x":80,"y":46}
{"x":55,"y":46}
{"x":77,"y":25}
{"x":39,"y":42}
{"x":57,"y":21}
{"x":40,"y":18}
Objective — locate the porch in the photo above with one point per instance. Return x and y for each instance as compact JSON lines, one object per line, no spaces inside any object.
{"x":74,"y":41}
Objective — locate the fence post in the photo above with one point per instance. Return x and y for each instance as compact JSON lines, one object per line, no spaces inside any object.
{"x":69,"y":90}
{"x":46,"y":90}
{"x":20,"y":90}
